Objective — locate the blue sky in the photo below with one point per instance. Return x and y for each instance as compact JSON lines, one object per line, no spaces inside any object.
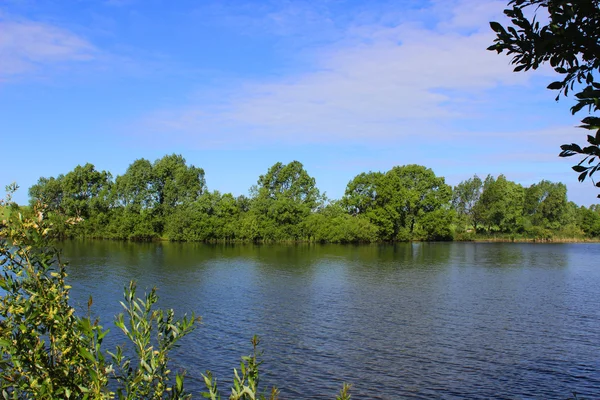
{"x":235,"y":86}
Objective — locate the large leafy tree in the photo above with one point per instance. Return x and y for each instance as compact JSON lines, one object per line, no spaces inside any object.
{"x":464,"y":198}
{"x":500,"y":207}
{"x":134,"y":188}
{"x":546,"y":204}
{"x":379,"y":198}
{"x":85,"y":191}
{"x":407,"y":202}
{"x":282,"y":198}
{"x":290,"y":181}
{"x":48,"y":191}
{"x":424,"y":192}
{"x":363,"y":192}
{"x":175,"y":183}
{"x":78,"y":194}
{"x":566,"y":35}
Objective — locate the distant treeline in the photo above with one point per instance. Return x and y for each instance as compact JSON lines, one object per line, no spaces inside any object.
{"x":169,"y":200}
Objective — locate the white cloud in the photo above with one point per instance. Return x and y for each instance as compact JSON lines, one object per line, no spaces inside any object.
{"x":469,"y":13}
{"x":388,"y":81}
{"x":30,"y":47}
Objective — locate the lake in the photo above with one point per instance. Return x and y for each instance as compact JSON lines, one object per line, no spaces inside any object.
{"x":413,"y":321}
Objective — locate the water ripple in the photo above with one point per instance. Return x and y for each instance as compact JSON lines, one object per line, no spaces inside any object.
{"x":414,"y":321}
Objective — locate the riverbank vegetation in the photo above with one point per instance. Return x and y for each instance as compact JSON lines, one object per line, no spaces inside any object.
{"x":168,"y":199}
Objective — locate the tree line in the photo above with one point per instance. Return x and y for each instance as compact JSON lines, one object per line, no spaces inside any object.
{"x":168,"y":199}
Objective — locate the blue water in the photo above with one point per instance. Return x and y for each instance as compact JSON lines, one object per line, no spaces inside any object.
{"x":413,"y":321}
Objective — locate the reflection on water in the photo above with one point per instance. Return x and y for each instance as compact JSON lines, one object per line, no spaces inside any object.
{"x":413,"y":320}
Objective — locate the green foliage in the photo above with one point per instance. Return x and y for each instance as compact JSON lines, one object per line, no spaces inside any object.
{"x":48,"y":191}
{"x":246,"y":385}
{"x":406,"y":203}
{"x":282,"y":199}
{"x":333,"y":225}
{"x":135,"y":189}
{"x":49,"y":352}
{"x":500,"y":206}
{"x":150,"y":380}
{"x":546,"y":204}
{"x":566,"y":35}
{"x":85,"y":191}
{"x":127,"y":224}
{"x":426,"y":200}
{"x":464,"y":198}
{"x":174,"y":183}
{"x":589,"y":221}
{"x":436,"y":225}
{"x":362,"y":193}
{"x":168,"y":200}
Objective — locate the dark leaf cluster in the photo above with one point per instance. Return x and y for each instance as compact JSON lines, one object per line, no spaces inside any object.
{"x":568,"y":40}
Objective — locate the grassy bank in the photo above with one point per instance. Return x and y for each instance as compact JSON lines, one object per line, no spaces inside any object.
{"x":520,"y":238}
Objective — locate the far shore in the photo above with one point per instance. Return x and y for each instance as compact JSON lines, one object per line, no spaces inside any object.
{"x":531,"y":240}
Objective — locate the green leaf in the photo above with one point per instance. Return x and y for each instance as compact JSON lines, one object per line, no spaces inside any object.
{"x":555,"y":85}
{"x":577,"y":107}
{"x":86,"y":353}
{"x":179,"y":382}
{"x":496,"y":27}
{"x":579,"y":168}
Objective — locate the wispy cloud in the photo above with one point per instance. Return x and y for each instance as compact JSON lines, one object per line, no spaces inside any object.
{"x":30,"y":47}
{"x":383,"y":80}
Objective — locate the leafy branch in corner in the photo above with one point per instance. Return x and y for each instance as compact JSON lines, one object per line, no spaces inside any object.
{"x":569,"y":41}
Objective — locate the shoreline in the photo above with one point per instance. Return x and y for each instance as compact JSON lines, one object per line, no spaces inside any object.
{"x":532,"y":240}
{"x":296,"y":242}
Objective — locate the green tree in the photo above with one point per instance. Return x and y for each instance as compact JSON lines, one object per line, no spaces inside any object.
{"x":565,"y":35}
{"x":362,"y":193}
{"x":400,"y":203}
{"x":85,"y":191}
{"x":464,"y":198}
{"x":424,"y":193}
{"x":211,"y":217}
{"x":546,"y":204}
{"x":135,"y":215}
{"x":500,"y":207}
{"x":290,"y":181}
{"x":48,"y":191}
{"x":135,"y":188}
{"x":332,"y":224}
{"x":281,"y":200}
{"x":589,"y":220}
{"x":174,"y":183}
{"x":151,"y":195}
{"x":82,"y":195}
{"x":379,"y":197}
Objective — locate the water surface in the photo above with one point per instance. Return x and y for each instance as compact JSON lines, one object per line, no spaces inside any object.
{"x":414,"y":321}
